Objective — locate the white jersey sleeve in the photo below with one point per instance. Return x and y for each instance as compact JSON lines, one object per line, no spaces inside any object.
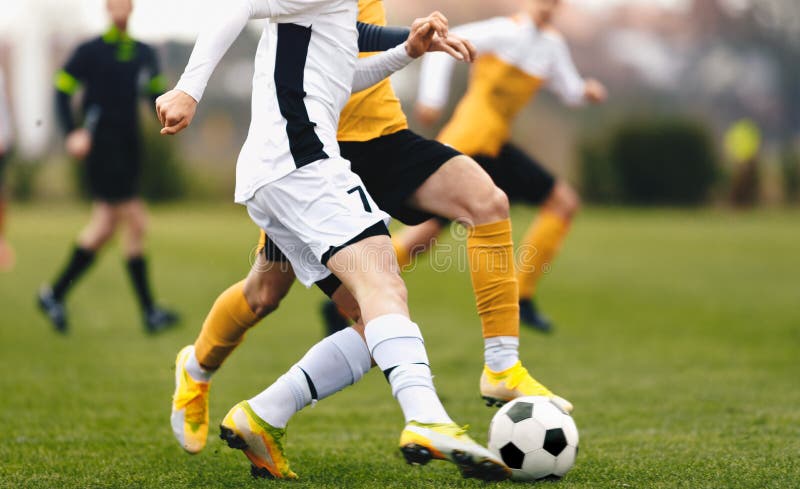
{"x":564,"y":78}
{"x":437,"y":68}
{"x":216,"y":38}
{"x":229,"y":21}
{"x":375,"y":69}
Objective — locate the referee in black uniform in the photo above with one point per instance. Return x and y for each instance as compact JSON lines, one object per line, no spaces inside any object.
{"x":114,"y":70}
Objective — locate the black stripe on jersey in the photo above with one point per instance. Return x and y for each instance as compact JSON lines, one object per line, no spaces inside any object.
{"x":290,"y":64}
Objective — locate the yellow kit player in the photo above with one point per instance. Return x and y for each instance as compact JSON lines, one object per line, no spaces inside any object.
{"x":517,"y":56}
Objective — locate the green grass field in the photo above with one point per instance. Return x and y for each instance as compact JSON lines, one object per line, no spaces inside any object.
{"x":678,"y":341}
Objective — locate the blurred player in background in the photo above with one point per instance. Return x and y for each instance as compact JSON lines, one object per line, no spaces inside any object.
{"x":114,"y":70}
{"x":516,"y":57}
{"x":411,"y":178}
{"x":6,"y":136}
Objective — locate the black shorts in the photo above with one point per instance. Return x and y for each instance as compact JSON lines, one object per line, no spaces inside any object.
{"x":393,"y":167}
{"x":521,"y":177}
{"x":113,"y":167}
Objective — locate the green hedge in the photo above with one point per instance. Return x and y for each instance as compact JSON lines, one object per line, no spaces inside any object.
{"x":669,"y":161}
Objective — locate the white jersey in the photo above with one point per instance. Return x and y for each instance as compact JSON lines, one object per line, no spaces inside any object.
{"x":305,"y":69}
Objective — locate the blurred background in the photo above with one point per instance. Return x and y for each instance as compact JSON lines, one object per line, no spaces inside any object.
{"x":704,"y":96}
{"x":675,"y":297}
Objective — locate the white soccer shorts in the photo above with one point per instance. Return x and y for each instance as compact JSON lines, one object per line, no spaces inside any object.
{"x":313,"y":211}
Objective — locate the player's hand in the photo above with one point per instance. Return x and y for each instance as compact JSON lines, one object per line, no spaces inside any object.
{"x":79,"y":143}
{"x":427,"y":115}
{"x":423,"y":32}
{"x":456,"y":46}
{"x":595,"y":92}
{"x":437,"y":20}
{"x":175,"y":111}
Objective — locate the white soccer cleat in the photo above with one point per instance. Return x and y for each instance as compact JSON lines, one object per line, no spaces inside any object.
{"x":421,"y":443}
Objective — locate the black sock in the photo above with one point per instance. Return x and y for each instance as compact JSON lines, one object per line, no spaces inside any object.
{"x":137,"y":269}
{"x":80,"y":261}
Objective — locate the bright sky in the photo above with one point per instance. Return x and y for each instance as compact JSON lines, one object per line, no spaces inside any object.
{"x":155,"y":20}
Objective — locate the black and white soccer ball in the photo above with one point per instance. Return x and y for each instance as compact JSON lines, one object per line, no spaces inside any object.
{"x":535,"y":438}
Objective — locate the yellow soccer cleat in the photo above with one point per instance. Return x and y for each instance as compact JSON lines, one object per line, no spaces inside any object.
{"x":497,"y":388}
{"x":421,"y":443}
{"x":189,"y":406}
{"x":262,"y":443}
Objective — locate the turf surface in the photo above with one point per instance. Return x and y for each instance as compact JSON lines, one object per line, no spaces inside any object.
{"x":678,"y":341}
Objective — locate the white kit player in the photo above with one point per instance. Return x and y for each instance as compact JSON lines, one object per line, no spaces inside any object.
{"x":301,"y":192}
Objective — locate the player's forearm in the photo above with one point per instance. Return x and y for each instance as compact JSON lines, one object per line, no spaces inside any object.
{"x":372,"y":70}
{"x":215,"y":40}
{"x":434,"y":80}
{"x":66,"y":118}
{"x":374,"y":38}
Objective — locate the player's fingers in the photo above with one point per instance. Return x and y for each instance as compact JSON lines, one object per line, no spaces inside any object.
{"x":170,"y":130}
{"x":452,"y":52}
{"x":440,"y":17}
{"x":183,"y":124}
{"x":473,"y":51}
{"x":439,"y":26}
{"x":424,"y":30}
{"x":163,"y":115}
{"x":458,"y":45}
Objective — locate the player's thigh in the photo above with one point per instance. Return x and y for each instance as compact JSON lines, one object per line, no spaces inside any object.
{"x":104,"y":215}
{"x":523,"y":178}
{"x":368,"y":268}
{"x":460,"y":189}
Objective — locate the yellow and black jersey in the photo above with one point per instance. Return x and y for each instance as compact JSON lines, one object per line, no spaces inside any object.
{"x":374,"y":112}
{"x":515,"y":59}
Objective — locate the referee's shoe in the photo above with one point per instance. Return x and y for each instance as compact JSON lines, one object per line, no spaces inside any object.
{"x":157,"y":319}
{"x":52,"y":308}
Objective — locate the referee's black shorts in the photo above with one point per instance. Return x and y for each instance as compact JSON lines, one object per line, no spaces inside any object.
{"x":522,"y":178}
{"x":393,"y":167}
{"x":113,"y":167}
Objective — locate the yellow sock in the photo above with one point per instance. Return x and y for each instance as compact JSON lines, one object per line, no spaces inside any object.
{"x":403,"y":254}
{"x":227,"y":322}
{"x":539,"y":247}
{"x":490,"y":251}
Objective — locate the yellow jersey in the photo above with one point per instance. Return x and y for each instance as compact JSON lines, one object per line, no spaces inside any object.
{"x":374,"y":112}
{"x":515,"y":59}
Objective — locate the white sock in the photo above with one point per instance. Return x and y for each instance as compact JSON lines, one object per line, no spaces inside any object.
{"x":501,"y":352}
{"x":195,"y":371}
{"x":287,"y":395}
{"x":334,"y":363}
{"x":397,"y":347}
{"x":412,"y":386}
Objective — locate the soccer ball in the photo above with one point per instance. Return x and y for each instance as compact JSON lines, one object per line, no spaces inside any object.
{"x":535,"y":438}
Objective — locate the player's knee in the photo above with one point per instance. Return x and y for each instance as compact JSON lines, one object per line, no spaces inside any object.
{"x":263,"y":303}
{"x":104,"y":231}
{"x":393,"y":290}
{"x":492,"y":207}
